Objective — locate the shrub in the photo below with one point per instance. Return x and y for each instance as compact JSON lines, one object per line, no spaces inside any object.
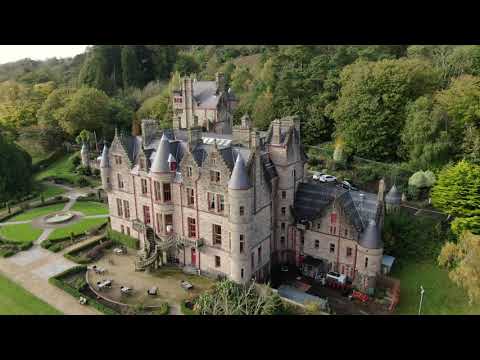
{"x":187,"y":308}
{"x":164,"y":309}
{"x":96,"y":172}
{"x":123,"y":239}
{"x":83,"y":170}
{"x":26,"y":246}
{"x":97,"y":251}
{"x":76,"y":160}
{"x":82,"y":181}
{"x":56,"y":247}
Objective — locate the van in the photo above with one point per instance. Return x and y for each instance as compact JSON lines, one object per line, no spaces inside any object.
{"x":339,"y":278}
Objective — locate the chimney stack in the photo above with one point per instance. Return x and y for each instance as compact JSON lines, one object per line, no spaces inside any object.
{"x":276,"y":131}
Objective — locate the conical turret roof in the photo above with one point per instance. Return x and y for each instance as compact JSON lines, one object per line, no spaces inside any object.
{"x":160,"y":162}
{"x":393,"y":196}
{"x":104,"y":160}
{"x":239,"y":179}
{"x":370,"y":238}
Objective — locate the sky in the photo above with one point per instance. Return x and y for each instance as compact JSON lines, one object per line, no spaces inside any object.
{"x":10,"y":53}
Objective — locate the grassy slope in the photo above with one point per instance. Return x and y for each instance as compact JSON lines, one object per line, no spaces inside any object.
{"x":60,"y":168}
{"x":14,"y":300}
{"x":49,"y":191}
{"x":90,"y":208}
{"x":20,"y":233}
{"x":78,"y":228}
{"x":34,"y":213}
{"x":441,"y":297}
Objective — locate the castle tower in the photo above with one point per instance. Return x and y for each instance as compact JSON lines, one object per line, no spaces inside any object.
{"x":105,"y":169}
{"x":393,"y":200}
{"x":240,"y":195}
{"x":369,"y":257}
{"x":85,"y":155}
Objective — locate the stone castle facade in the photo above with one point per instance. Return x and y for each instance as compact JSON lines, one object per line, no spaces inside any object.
{"x":233,"y":204}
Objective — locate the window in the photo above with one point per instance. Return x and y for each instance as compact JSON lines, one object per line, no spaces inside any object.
{"x":211,"y":201}
{"x":120,"y":181}
{"x":126,"y":208}
{"x":333,"y":229}
{"x":217,"y":261}
{"x":122,"y":229}
{"x":259,"y":255}
{"x":118,"y":160}
{"x":241,"y":273}
{"x":146,"y":215}
{"x":190,"y":197}
{"x":282,"y":240}
{"x":119,"y":208}
{"x":319,"y":226}
{"x":242,"y":243}
{"x":242,"y":210}
{"x":294,"y":173}
{"x":349,"y":251}
{"x":284,"y":211}
{"x":317,"y":244}
{"x":332,"y":248}
{"x":192,"y":228}
{"x":282,"y":226}
{"x":167,"y":196}
{"x":217,"y":234}
{"x":144,"y":186}
{"x":168,"y":221}
{"x":366,"y":262}
{"x":284,"y":195}
{"x":333,"y":218}
{"x":253,"y":260}
{"x":220,"y":203}
{"x":128,"y":231}
{"x":214,"y":176}
{"x":346,"y":232}
{"x":156,"y":189}
{"x":173,"y":166}
{"x":189,"y":171}
{"x":158,"y":218}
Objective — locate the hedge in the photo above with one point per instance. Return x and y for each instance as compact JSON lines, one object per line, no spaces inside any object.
{"x":56,"y":280}
{"x":11,"y":215}
{"x":71,"y":255}
{"x":164,"y":309}
{"x":123,"y":239}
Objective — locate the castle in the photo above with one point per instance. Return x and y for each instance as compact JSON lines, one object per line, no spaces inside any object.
{"x":233,"y":204}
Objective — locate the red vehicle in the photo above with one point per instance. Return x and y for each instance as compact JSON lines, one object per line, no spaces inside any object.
{"x":360,"y":296}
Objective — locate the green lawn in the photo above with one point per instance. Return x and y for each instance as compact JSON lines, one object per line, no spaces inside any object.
{"x":441,"y":297}
{"x":37,"y":212}
{"x":60,"y":168}
{"x":89,"y":208}
{"x":14,"y":300}
{"x":78,"y":228}
{"x":20,"y":233}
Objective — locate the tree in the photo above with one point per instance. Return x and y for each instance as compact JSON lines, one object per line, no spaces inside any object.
{"x":370,"y":112}
{"x":263,"y":112}
{"x":463,"y":260}
{"x":457,"y":193}
{"x":131,"y":72}
{"x":186,"y":64}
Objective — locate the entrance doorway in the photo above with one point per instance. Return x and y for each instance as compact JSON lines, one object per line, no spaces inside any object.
{"x":194,"y":257}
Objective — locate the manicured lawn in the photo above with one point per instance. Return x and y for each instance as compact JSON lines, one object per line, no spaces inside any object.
{"x":60,"y":168}
{"x":90,"y":208}
{"x":441,"y":297}
{"x":78,"y":228}
{"x":20,"y":233}
{"x":37,"y":212}
{"x":14,"y":300}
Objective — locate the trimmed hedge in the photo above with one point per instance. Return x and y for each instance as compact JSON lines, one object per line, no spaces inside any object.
{"x":123,"y":239}
{"x":11,"y":215}
{"x":58,"y":282}
{"x":71,"y":255}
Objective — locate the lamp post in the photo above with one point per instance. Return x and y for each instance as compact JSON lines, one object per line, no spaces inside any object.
{"x":422,"y":290}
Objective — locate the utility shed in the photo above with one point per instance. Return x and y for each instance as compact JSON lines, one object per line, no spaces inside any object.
{"x":387,"y":263}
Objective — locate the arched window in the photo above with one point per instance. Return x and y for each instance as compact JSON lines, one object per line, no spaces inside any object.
{"x":366,"y":262}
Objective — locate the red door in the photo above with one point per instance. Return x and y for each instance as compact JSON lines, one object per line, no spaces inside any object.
{"x":194,"y":257}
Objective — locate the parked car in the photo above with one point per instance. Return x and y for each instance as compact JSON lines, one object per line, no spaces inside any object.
{"x":348,"y":185}
{"x":328,"y":178}
{"x":316,"y":176}
{"x":339,"y":278}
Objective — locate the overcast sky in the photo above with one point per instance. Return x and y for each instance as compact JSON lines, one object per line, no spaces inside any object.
{"x":10,"y":53}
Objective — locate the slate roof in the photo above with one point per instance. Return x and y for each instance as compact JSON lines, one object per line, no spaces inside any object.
{"x":160,"y":160}
{"x":104,"y":157}
{"x":370,"y":238}
{"x":239,"y":179}
{"x":311,"y":199}
{"x":393,"y":196}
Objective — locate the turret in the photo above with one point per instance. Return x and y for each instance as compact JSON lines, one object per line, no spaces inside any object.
{"x":393,"y":200}
{"x":369,"y":257}
{"x":160,"y":162}
{"x":105,"y":168}
{"x":240,"y":195}
{"x":85,"y":155}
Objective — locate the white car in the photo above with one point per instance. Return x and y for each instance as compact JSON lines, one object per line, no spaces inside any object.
{"x":316,"y":176}
{"x":328,"y":179}
{"x":340,"y":278}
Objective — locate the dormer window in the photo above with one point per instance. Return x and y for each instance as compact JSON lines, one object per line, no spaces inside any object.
{"x":173,"y":166}
{"x":118,"y":160}
{"x":214,"y":176}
